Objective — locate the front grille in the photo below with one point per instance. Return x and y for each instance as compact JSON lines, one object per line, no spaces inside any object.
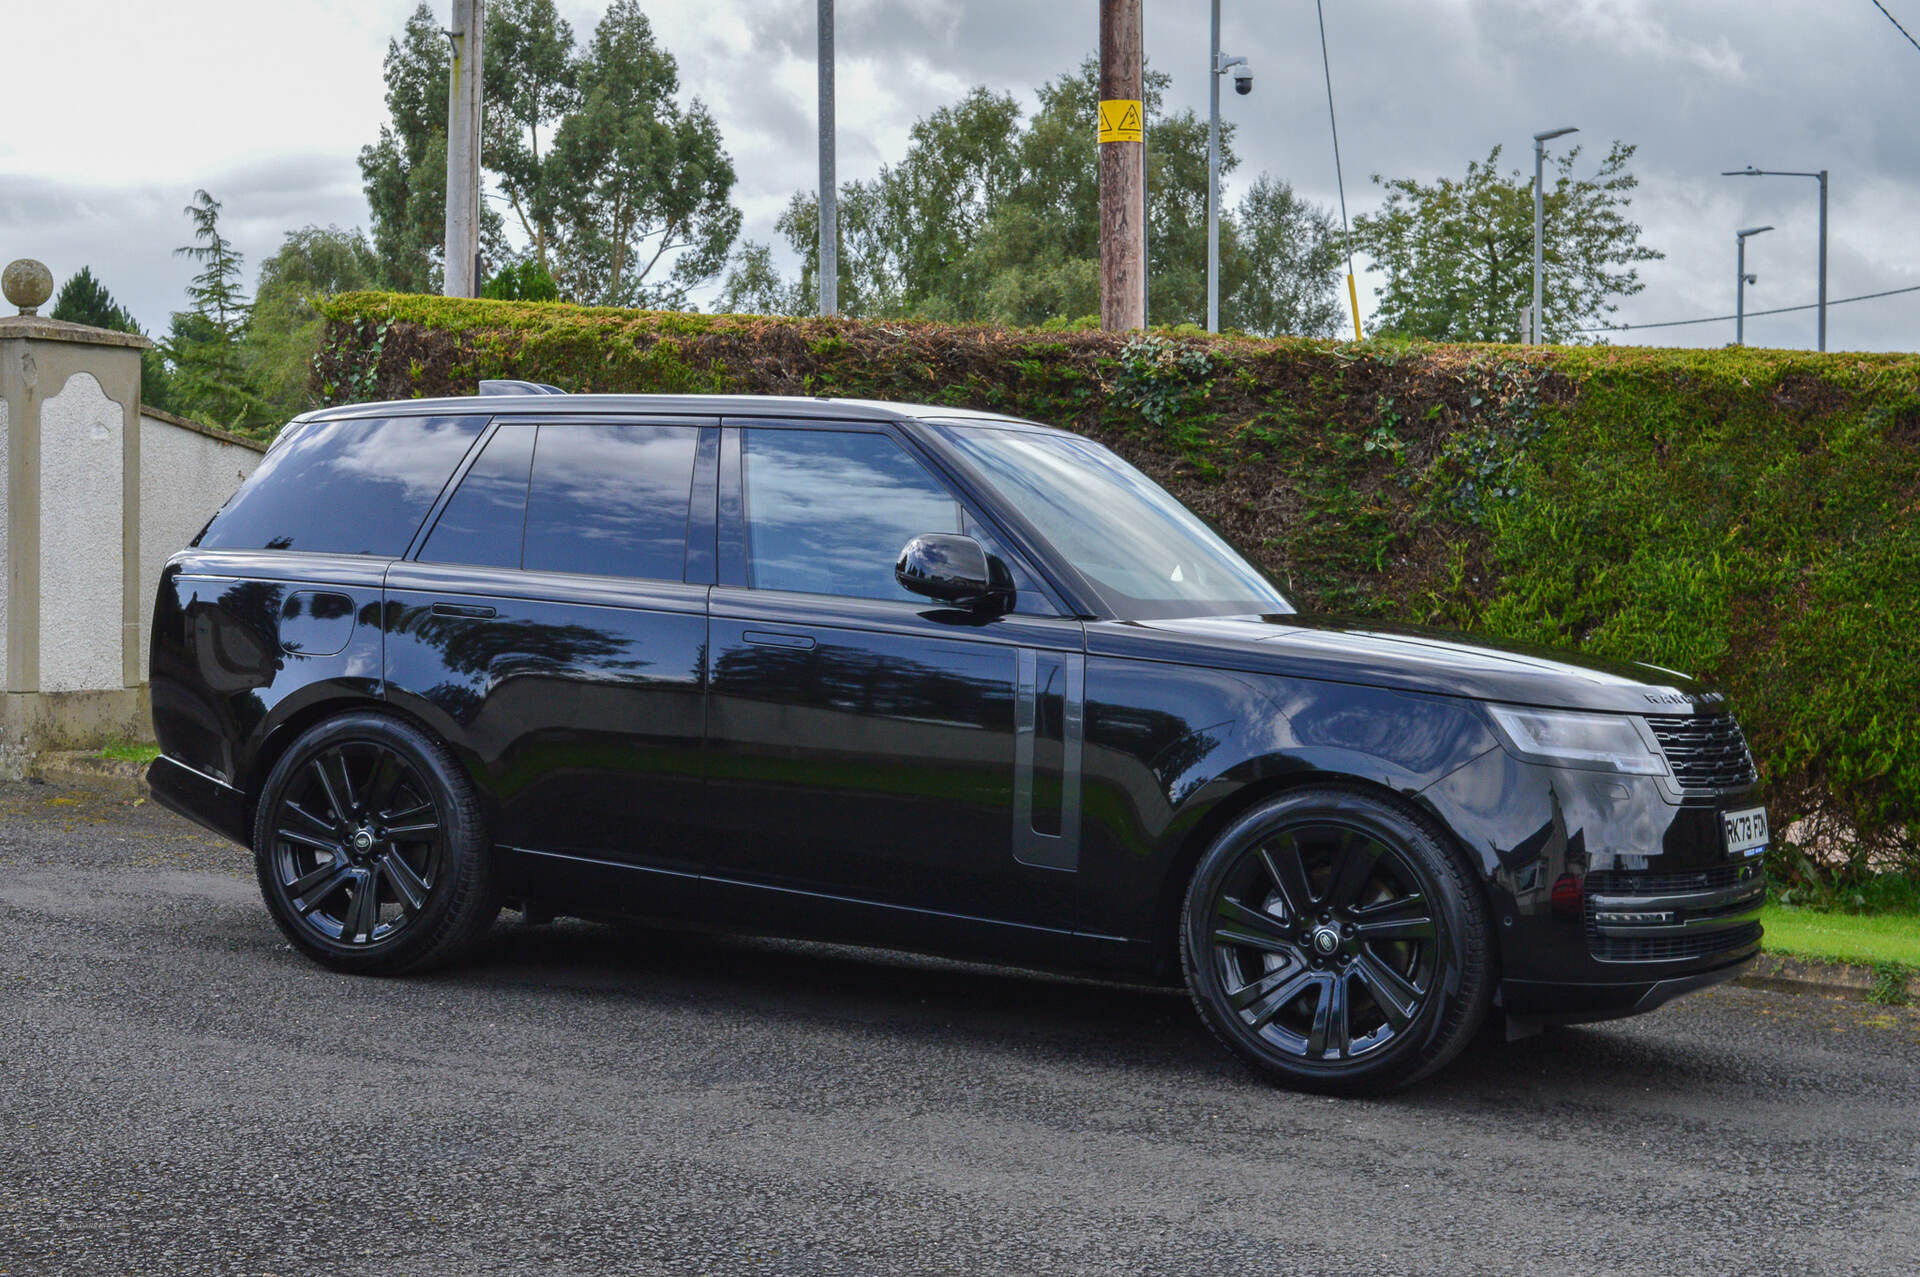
{"x":1646,"y":884}
{"x":1675,"y":949}
{"x":1707,"y":752}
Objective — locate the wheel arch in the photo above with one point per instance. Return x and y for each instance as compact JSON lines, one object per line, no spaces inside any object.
{"x":281,"y":736}
{"x":1209,"y":824}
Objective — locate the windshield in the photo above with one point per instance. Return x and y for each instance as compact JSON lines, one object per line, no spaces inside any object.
{"x":1146,"y":554}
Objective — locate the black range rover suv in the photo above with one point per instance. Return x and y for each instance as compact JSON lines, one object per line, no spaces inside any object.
{"x":922,"y":678}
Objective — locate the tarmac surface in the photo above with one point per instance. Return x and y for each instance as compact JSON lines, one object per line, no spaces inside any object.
{"x":181,"y":1093}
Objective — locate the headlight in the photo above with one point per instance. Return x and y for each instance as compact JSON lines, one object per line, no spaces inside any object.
{"x":1566,"y":738}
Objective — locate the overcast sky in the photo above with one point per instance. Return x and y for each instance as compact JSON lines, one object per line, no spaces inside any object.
{"x":121,"y":109}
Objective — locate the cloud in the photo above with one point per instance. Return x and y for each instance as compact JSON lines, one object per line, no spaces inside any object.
{"x":269,"y":111}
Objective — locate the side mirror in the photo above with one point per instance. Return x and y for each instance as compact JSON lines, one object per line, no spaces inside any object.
{"x":955,"y":569}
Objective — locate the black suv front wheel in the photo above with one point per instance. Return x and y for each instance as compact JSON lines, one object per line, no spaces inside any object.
{"x":371,"y":849}
{"x":1332,"y":942}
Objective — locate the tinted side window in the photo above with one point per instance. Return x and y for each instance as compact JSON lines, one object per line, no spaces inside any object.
{"x":483,"y":521}
{"x":611,"y":500}
{"x":345,"y":487}
{"x":827,"y":511}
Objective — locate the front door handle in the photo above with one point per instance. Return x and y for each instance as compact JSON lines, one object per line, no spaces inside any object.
{"x":769,"y":638}
{"x":478,"y":611}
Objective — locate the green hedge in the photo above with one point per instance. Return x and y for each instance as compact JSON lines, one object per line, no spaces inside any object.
{"x":1751,"y":515}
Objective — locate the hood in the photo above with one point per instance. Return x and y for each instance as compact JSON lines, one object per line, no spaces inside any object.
{"x":1407,"y":659}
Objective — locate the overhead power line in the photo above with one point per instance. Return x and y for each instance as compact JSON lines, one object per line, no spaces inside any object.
{"x":1721,"y":319}
{"x":1896,"y":24}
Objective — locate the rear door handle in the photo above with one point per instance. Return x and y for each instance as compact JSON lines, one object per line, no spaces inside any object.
{"x":478,"y":611}
{"x":768,"y":638}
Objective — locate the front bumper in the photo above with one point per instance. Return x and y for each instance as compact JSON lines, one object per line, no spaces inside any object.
{"x":1611,"y":895}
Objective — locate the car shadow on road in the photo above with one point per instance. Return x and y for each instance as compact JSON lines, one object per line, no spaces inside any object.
{"x":1059,"y":1018}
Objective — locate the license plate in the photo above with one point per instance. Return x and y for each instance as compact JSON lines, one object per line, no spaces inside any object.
{"x":1746,"y":831}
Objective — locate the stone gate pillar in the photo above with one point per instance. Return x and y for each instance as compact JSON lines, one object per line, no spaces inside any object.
{"x":69,"y":529}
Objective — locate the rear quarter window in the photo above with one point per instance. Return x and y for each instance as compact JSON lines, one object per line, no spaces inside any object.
{"x":358,"y":486}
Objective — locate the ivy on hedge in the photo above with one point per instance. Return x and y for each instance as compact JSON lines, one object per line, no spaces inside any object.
{"x":1750,"y":515}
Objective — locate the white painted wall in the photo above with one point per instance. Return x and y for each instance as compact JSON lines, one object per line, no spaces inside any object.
{"x":184,"y":477}
{"x":80,"y":541}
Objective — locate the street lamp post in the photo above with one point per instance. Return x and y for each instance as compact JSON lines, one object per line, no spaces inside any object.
{"x":1540,"y":141}
{"x":1243,"y":85}
{"x":1821,"y":177}
{"x":1740,"y":285}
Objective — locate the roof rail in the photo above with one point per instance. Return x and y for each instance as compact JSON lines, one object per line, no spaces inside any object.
{"x":519,"y":388}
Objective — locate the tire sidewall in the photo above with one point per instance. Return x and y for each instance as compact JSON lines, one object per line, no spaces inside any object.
{"x":452,"y":797}
{"x":1460,"y":993}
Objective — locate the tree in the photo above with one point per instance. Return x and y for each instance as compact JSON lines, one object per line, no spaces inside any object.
{"x":527,"y":281}
{"x":991,"y":218}
{"x":405,"y":172}
{"x":1458,"y":255}
{"x":205,"y":339}
{"x":622,"y":195}
{"x":754,"y":285}
{"x":531,"y":82}
{"x":1289,"y":265}
{"x":284,"y":329}
{"x":647,"y":185}
{"x":83,"y":299}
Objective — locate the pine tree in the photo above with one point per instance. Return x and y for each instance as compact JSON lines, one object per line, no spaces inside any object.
{"x":205,"y":340}
{"x":83,"y":299}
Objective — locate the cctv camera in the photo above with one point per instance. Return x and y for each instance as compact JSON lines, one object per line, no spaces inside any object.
{"x":1243,"y":79}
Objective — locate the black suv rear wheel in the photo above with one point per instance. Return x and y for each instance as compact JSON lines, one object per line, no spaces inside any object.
{"x":1333,"y":943}
{"x":371,"y":850}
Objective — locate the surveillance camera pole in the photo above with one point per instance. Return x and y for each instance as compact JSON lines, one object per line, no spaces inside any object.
{"x":1740,"y":284}
{"x":460,"y":276}
{"x":829,"y":187}
{"x":1219,"y":66}
{"x":1540,"y":140}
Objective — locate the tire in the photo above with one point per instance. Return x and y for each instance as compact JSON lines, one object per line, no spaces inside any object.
{"x":370,"y":846}
{"x":1333,"y":943}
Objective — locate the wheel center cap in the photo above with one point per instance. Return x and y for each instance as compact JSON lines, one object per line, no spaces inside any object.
{"x":363,"y":840}
{"x":1325,"y":941}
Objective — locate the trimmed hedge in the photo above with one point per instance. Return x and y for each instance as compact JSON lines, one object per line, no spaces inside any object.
{"x":1751,"y":515}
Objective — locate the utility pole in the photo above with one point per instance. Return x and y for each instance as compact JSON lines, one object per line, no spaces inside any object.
{"x":829,"y":184}
{"x":461,"y":277}
{"x":1122,"y":168}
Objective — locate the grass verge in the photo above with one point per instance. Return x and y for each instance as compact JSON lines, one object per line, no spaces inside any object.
{"x":1866,"y":939}
{"x":130,"y":752}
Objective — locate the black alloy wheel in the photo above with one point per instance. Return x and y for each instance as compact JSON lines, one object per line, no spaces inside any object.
{"x":369,"y":847}
{"x":1330,"y":940}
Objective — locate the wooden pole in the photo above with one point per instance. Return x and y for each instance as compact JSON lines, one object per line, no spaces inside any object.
{"x":461,"y":276}
{"x":1122,"y":170}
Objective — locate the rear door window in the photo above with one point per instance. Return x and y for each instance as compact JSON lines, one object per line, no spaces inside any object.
{"x":610,"y":500}
{"x":482,"y":524}
{"x":358,"y":486}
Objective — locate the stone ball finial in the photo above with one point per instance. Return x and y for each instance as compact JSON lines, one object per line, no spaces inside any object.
{"x":27,"y":284}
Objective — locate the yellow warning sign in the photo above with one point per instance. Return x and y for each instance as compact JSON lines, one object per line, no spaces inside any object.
{"x":1120,"y":120}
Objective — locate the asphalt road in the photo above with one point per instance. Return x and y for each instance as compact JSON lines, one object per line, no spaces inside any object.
{"x":180,"y":1093}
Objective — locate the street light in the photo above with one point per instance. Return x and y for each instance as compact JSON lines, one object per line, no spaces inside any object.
{"x":1540,"y":141}
{"x":1821,"y":177}
{"x":1243,"y":85}
{"x":1740,"y":287}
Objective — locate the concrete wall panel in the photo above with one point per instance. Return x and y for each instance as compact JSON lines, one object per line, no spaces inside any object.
{"x":81,"y":498}
{"x":185,"y":476}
